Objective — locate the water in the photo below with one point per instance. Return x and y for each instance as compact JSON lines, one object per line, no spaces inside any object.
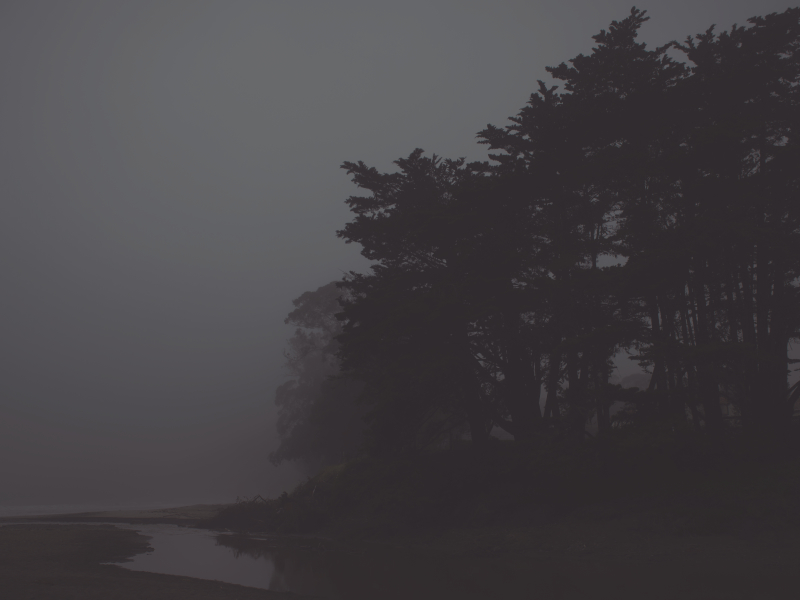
{"x":195,"y":553}
{"x":203,"y":554}
{"x":305,"y":566}
{"x":241,"y":560}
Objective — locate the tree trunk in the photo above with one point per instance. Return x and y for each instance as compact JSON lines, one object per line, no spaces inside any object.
{"x":707,"y":384}
{"x":551,"y":408}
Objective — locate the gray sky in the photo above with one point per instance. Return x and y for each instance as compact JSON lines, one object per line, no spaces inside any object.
{"x":170,"y":181}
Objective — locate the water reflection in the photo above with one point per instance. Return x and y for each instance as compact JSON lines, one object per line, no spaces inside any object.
{"x":364,"y":570}
{"x":311,"y":567}
{"x":254,"y":562}
{"x":300,"y":566}
{"x":195,"y":553}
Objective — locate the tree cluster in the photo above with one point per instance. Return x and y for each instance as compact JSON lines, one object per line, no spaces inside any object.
{"x":650,"y":202}
{"x":319,"y":421}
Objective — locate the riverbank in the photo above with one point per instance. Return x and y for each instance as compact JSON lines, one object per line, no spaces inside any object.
{"x":584,"y":554}
{"x":672,"y":519}
{"x":581,"y":556}
{"x":660,"y":517}
{"x":613,"y":550}
{"x":50,"y":561}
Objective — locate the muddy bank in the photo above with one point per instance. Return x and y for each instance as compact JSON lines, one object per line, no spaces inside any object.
{"x":47,"y":561}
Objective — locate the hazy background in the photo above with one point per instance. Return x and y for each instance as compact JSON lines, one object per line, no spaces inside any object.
{"x":170,"y":181}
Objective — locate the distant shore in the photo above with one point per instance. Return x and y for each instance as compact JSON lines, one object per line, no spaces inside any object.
{"x":180,"y":515}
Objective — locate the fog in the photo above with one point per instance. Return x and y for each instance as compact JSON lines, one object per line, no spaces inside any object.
{"x":171,"y":181}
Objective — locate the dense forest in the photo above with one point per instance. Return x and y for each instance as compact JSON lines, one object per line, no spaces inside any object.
{"x":648,"y":203}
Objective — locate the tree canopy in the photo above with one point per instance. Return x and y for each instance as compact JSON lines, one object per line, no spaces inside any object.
{"x":649,"y":203}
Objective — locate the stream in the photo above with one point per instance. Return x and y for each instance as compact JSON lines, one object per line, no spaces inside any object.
{"x":317,"y":567}
{"x":249,"y":561}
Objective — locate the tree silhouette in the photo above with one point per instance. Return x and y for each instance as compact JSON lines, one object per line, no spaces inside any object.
{"x":650,"y":205}
{"x":319,"y":420}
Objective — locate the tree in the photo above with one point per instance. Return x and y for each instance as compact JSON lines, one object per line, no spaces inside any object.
{"x":575,"y":153}
{"x":406,"y":331}
{"x":319,"y":419}
{"x":494,"y":281}
{"x":742,"y":182}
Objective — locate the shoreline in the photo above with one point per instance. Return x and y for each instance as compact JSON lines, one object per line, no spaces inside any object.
{"x":52,"y":561}
{"x":190,"y":516}
{"x":569,"y":557}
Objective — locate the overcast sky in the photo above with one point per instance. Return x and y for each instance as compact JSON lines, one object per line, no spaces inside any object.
{"x":170,"y":181}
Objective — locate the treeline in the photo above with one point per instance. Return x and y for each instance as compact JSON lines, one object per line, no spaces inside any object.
{"x":650,"y":202}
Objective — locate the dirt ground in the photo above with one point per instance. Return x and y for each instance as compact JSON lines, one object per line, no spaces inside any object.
{"x":63,"y":562}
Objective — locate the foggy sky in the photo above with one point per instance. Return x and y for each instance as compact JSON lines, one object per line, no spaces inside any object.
{"x":170,"y":182}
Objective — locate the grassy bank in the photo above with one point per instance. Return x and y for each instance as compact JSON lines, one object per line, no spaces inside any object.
{"x":657,"y":514}
{"x":677,"y":477}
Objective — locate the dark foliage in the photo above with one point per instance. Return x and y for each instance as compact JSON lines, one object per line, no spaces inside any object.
{"x":650,"y":206}
{"x":695,"y":486}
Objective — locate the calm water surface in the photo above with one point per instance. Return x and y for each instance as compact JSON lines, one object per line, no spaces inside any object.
{"x":307,"y":568}
{"x":223,"y":557}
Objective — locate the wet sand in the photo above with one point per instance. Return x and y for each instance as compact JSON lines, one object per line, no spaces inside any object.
{"x":60,"y":562}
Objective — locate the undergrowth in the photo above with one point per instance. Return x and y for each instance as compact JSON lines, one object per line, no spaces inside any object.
{"x":707,"y":488}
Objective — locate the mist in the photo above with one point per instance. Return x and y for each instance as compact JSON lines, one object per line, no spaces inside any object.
{"x":171,"y":181}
